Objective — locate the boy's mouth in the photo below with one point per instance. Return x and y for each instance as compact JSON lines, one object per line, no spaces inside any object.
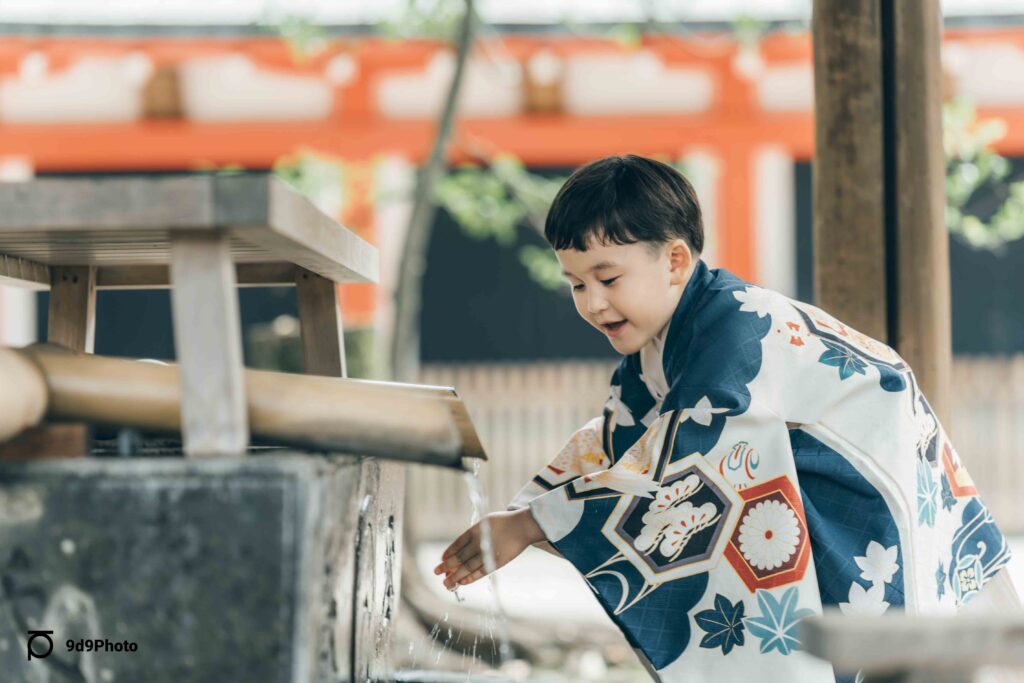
{"x":613,"y":329}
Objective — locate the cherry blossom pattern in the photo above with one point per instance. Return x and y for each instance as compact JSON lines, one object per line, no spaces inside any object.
{"x":723,"y":625}
{"x":877,"y":566}
{"x":769,"y":534}
{"x":702,"y":413}
{"x":868,"y":602}
{"x":776,"y":625}
{"x":755,"y":300}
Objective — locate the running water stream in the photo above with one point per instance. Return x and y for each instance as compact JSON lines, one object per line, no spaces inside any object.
{"x":478,"y":497}
{"x":493,"y":622}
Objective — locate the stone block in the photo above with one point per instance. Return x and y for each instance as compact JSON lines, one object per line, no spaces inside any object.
{"x":219,"y":570}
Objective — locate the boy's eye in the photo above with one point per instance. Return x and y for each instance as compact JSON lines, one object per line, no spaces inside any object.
{"x":609,"y":281}
{"x":577,"y":288}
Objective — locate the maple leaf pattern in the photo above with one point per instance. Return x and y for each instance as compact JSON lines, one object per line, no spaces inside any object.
{"x":723,"y":624}
{"x":843,"y":358}
{"x":776,"y":626}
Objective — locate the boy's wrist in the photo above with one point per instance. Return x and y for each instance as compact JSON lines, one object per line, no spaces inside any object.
{"x":532,"y":533}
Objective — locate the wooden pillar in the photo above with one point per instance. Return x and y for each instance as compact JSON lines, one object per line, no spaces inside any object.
{"x":849,"y":189}
{"x":208,"y":342}
{"x":880,"y":240}
{"x":923,"y":327}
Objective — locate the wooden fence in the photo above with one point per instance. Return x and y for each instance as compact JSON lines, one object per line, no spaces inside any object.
{"x":524,"y":412}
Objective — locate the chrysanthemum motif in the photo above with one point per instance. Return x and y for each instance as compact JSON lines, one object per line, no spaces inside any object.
{"x":769,"y":534}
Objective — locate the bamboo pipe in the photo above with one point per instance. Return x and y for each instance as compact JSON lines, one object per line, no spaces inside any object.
{"x":399,"y":421}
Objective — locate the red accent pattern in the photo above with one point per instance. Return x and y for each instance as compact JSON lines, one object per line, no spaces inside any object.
{"x":960,"y":482}
{"x":793,"y":569}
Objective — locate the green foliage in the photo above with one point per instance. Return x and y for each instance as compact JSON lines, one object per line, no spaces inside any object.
{"x":433,"y":19}
{"x":543,"y":267}
{"x":971,"y":164}
{"x":317,"y":176}
{"x":305,"y":39}
{"x":493,"y":202}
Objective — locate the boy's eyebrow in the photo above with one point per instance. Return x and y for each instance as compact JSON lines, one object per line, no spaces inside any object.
{"x":600,"y":266}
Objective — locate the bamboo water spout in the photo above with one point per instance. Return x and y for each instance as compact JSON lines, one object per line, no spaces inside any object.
{"x":400,"y":421}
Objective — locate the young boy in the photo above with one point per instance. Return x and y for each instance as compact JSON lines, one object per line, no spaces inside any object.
{"x":757,"y":460}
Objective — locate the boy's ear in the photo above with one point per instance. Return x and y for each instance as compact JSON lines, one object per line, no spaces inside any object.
{"x":680,"y":259}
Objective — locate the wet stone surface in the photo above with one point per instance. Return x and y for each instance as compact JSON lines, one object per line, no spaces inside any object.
{"x":225,"y":570}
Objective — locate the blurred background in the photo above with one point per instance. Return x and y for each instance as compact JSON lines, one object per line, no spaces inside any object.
{"x":353,"y":103}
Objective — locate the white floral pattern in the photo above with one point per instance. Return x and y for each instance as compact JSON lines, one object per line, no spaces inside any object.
{"x":878,"y":563}
{"x":867,"y":603}
{"x":702,"y":413}
{"x":769,"y":534}
{"x":755,"y":300}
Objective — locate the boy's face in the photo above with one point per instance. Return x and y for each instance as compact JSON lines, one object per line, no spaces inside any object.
{"x":627,"y":291}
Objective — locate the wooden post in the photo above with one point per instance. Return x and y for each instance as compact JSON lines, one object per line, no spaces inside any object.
{"x":320,"y":324}
{"x":923,"y":334}
{"x":71,"y":322}
{"x":208,"y":340}
{"x":849,"y":192}
{"x":881,"y":246}
{"x":72,"y":312}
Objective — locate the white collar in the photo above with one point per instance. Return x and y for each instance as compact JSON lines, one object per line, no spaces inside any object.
{"x":652,"y":368}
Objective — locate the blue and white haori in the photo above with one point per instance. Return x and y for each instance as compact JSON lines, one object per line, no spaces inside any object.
{"x":766,"y":462}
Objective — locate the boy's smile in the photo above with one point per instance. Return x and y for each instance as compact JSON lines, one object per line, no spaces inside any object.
{"x":627,"y":291}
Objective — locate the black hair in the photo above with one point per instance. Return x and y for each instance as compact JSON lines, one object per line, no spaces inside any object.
{"x":624,"y":200}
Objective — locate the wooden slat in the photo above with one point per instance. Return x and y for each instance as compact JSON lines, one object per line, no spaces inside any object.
{"x":208,"y":340}
{"x":19,"y":272}
{"x":158,"y":277}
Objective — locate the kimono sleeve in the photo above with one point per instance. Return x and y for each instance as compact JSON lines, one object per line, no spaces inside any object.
{"x":582,"y":454}
{"x":695,"y":542}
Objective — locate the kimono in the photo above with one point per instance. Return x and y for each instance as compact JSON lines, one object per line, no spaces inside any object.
{"x":756,"y":462}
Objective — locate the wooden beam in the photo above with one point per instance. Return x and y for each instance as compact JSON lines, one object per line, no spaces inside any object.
{"x":208,"y":340}
{"x":279,"y":274}
{"x":923,"y":329}
{"x":320,"y":325}
{"x":849,"y":189}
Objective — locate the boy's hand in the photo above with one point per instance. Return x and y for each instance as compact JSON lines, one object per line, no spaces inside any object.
{"x":511,"y":532}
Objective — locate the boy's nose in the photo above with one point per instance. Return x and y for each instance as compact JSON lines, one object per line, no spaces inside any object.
{"x":596,"y":303}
